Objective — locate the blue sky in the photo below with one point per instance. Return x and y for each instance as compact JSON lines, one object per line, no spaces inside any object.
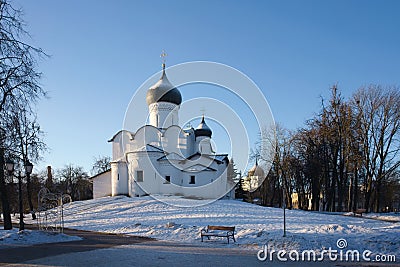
{"x":102,"y":51}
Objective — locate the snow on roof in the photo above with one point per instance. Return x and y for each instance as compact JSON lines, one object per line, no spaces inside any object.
{"x":119,"y":132}
{"x":218,"y":157}
{"x":149,"y":148}
{"x":172,"y":156}
{"x":198,"y":168}
{"x":101,"y":173}
{"x":221,"y":157}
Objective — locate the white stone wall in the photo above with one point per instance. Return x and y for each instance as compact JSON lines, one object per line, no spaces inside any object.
{"x":163,"y":114}
{"x":121,"y":143}
{"x":174,"y":140}
{"x":143,"y":161}
{"x":203,"y":145}
{"x":130,"y":155}
{"x":146,"y":135}
{"x":102,"y":185}
{"x":119,"y":178}
{"x":208,"y":183}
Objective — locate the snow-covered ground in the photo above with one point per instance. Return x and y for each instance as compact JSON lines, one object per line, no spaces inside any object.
{"x":255,"y":225}
{"x":390,"y":216}
{"x":15,"y":237}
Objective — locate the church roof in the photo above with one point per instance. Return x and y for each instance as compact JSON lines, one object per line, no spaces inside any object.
{"x":163,"y":91}
{"x":149,"y":148}
{"x":99,"y":174}
{"x":172,"y":156}
{"x":203,"y":129}
{"x":119,"y":132}
{"x":198,"y":168}
{"x":219,"y":158}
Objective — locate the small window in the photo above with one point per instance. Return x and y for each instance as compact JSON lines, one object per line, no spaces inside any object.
{"x":167,"y":179}
{"x":139,"y":176}
{"x":192,"y":179}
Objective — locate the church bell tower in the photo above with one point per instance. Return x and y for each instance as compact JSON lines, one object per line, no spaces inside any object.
{"x":163,"y":100}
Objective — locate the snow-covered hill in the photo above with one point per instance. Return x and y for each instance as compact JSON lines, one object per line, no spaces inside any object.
{"x":255,"y":225}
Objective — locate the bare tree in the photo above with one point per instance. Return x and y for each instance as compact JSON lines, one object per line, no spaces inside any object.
{"x":279,"y":180}
{"x":29,"y":141}
{"x":101,"y":164}
{"x":379,"y":115}
{"x":19,"y":83}
{"x":74,"y":181}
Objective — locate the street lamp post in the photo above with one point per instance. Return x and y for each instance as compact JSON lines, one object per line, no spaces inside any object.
{"x":21,"y":206}
{"x":28,"y":169}
{"x":284,"y":210}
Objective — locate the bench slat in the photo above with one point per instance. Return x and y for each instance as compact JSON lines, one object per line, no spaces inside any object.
{"x":359,"y":212}
{"x":223,"y":228}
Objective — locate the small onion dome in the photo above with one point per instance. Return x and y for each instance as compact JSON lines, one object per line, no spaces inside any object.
{"x":256,"y":171}
{"x":163,"y":91}
{"x":203,"y":129}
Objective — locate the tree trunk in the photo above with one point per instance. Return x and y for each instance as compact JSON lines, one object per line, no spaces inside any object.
{"x":315,"y":194}
{"x":378,"y":196}
{"x":4,"y":195}
{"x":350,"y":194}
{"x":340,"y":196}
{"x":368,"y":194}
{"x":355,"y":190}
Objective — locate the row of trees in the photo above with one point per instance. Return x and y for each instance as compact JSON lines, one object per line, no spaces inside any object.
{"x":21,"y":137}
{"x":20,"y":134}
{"x":70,"y":179}
{"x":345,"y":158}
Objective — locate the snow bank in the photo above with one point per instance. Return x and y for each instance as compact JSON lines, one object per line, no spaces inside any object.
{"x":30,"y":237}
{"x":255,"y":225}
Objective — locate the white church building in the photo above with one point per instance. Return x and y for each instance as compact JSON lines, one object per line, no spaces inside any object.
{"x":163,"y":158}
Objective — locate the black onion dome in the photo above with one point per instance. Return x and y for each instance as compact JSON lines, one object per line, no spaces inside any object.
{"x":163,"y":91}
{"x":203,"y":129}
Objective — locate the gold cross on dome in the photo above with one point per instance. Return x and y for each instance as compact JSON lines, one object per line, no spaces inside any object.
{"x":203,"y":111}
{"x":163,"y":56}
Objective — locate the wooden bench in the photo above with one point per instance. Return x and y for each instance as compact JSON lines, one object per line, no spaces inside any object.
{"x":359,"y":212}
{"x":218,"y":231}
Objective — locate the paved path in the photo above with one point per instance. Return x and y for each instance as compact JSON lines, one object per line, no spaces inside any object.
{"x":101,"y":249}
{"x":90,"y":241}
